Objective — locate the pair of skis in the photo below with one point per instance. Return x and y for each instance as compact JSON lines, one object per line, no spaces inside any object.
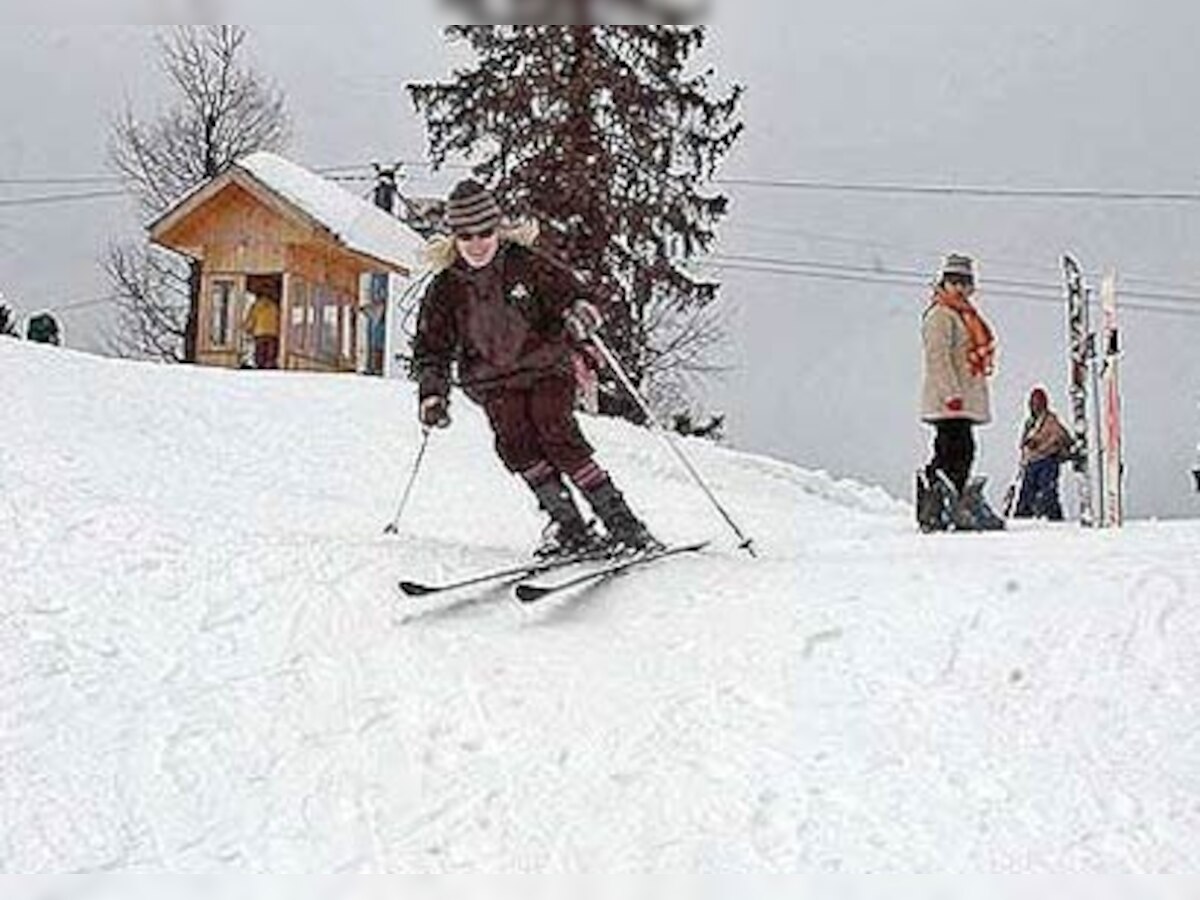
{"x":527,"y":591}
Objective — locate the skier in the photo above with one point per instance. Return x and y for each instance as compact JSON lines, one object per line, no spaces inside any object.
{"x":959,"y":358}
{"x":1044,"y":443}
{"x":512,"y":319}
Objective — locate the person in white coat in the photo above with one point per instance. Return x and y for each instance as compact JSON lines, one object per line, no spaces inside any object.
{"x":959,"y":359}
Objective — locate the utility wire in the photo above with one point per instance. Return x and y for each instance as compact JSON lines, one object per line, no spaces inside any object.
{"x":1022,"y":193}
{"x":912,"y":273}
{"x":69,"y":305}
{"x":60,"y":198}
{"x":80,"y":304}
{"x":1008,"y":262}
{"x":793,"y":184}
{"x":883,"y":278}
{"x":69,"y":179}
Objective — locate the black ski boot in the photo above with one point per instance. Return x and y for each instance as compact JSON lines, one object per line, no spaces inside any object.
{"x":626,"y":532}
{"x":933,"y":513}
{"x":970,"y":510}
{"x":567,"y":533}
{"x":952,"y":511}
{"x":976,"y":508}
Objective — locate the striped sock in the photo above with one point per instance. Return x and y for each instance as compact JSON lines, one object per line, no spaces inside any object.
{"x":589,"y":476}
{"x":539,"y":473}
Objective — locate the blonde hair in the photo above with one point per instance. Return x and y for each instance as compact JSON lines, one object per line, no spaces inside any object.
{"x":441,"y":251}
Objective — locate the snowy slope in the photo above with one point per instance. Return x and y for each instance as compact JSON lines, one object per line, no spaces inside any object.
{"x":204,"y":665}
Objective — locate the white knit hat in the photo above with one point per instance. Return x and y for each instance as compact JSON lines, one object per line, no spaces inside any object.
{"x":957,"y":264}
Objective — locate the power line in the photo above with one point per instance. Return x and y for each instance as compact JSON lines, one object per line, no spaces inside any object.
{"x":60,"y":198}
{"x":1019,"y":193}
{"x":80,"y":304}
{"x":914,"y":280}
{"x":69,"y":305}
{"x":916,"y":189}
{"x":794,"y":184}
{"x":911,"y":273}
{"x":1009,"y":262}
{"x":69,"y":179}
{"x":334,"y":173}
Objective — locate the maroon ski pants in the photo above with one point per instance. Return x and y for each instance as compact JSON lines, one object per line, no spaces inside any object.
{"x":537,"y":424}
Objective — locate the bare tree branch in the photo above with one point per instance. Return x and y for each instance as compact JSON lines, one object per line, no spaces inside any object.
{"x":151,"y":294}
{"x":224,"y":112}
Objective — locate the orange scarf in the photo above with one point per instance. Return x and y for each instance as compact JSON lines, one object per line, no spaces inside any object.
{"x":981,"y":355}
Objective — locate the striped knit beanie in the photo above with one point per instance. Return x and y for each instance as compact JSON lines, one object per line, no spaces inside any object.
{"x":472,"y":209}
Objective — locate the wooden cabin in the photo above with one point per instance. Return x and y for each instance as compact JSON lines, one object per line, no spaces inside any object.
{"x":268,"y":228}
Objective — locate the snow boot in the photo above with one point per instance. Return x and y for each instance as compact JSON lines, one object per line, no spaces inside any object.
{"x":560,"y":540}
{"x":567,"y":533}
{"x":626,"y":532}
{"x":933,"y":513}
{"x":954,"y":512}
{"x":981,"y":515}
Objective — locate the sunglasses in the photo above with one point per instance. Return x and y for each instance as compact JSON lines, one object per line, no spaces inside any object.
{"x":474,"y":235}
{"x":960,"y":280}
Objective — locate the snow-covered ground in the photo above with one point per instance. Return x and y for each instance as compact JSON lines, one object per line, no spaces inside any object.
{"x":205,"y":666}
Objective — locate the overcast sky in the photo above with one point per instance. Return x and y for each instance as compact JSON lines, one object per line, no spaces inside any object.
{"x":998,"y":93}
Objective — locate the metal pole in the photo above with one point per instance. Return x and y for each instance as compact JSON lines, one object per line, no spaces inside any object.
{"x":615,"y":367}
{"x":393,"y":526}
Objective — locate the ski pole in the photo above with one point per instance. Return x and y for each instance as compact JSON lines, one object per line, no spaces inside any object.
{"x":1010,"y":494}
{"x":615,"y":367}
{"x":393,"y":526}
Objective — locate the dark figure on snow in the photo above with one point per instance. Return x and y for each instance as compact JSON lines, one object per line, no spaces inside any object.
{"x":512,"y":319}
{"x":1044,"y":444}
{"x":959,"y":358}
{"x":43,"y":329}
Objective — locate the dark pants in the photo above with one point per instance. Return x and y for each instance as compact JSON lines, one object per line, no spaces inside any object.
{"x":266,"y":351}
{"x":953,"y":451}
{"x":1039,"y":491}
{"x":538,"y":425}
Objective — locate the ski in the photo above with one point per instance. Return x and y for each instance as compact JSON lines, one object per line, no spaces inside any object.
{"x":510,"y":573}
{"x":1110,"y":443}
{"x":1078,"y":360}
{"x":530,"y":593}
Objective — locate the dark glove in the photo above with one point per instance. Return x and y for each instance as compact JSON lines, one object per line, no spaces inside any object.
{"x":582,"y":321}
{"x":434,"y":412}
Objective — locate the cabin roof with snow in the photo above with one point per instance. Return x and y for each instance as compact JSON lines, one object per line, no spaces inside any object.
{"x":307,"y":198}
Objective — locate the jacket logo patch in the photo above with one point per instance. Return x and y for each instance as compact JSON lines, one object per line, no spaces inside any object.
{"x":518,"y":294}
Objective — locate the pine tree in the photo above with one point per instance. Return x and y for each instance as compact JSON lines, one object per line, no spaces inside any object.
{"x":604,"y":136}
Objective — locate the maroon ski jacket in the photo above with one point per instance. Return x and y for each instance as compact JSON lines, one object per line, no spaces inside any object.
{"x":502,"y":324}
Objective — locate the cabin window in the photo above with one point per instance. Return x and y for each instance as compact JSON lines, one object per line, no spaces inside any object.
{"x":321,"y":322}
{"x":222,"y":296}
{"x":298,"y":337}
{"x":327,"y":339}
{"x":347,"y":330}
